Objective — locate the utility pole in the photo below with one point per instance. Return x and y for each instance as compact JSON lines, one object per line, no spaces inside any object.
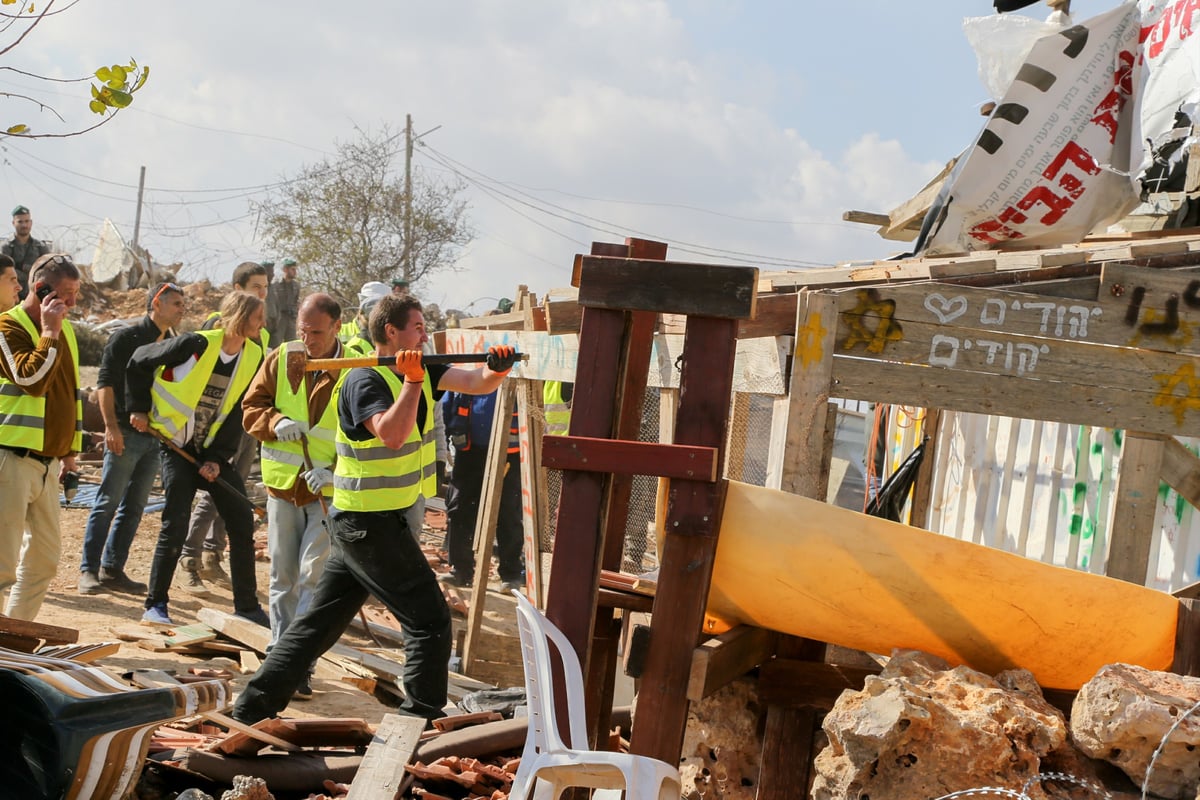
{"x":137,"y":218}
{"x":408,"y":153}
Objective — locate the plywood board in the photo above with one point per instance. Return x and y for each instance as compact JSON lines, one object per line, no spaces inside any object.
{"x":1154,"y":309}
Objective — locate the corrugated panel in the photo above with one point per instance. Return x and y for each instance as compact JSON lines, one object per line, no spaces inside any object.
{"x":1046,"y":491}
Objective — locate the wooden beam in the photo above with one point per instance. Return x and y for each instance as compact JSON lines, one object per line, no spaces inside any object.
{"x":1181,"y":471}
{"x":922,"y":498}
{"x":1135,"y":505}
{"x":866,"y":217}
{"x":722,"y":658}
{"x":808,"y":395}
{"x":692,"y":528}
{"x":630,"y":458}
{"x":381,"y":772}
{"x":533,"y":512}
{"x":668,"y":287}
{"x":1187,"y":638}
{"x":489,"y":513}
{"x":774,"y":315}
{"x":50,"y":634}
{"x":638,"y":345}
{"x":795,"y":683}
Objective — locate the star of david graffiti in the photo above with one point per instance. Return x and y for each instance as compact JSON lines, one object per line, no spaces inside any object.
{"x":869,"y":309}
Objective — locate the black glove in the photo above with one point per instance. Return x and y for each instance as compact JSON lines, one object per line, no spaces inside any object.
{"x":501,"y":357}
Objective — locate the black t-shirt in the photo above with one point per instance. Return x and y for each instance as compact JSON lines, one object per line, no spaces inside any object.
{"x":366,"y":393}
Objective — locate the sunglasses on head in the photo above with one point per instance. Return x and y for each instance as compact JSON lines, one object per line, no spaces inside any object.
{"x":166,"y":287}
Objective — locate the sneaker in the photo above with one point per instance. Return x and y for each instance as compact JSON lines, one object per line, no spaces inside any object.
{"x":157,"y":615}
{"x":190,"y":578}
{"x":89,"y":583}
{"x":118,"y":581}
{"x":303,"y":691}
{"x":257,"y":616}
{"x":211,"y":569}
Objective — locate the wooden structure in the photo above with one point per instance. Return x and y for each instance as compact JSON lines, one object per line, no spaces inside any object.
{"x":1101,"y":333}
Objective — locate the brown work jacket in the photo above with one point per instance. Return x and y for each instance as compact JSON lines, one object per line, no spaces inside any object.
{"x":259,"y":413}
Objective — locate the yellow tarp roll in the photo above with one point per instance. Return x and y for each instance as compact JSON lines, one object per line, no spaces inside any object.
{"x":810,"y":569}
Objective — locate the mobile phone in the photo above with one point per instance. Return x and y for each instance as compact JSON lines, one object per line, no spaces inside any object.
{"x":42,"y":290}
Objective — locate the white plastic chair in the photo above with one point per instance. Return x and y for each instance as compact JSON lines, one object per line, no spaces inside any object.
{"x":550,"y":763}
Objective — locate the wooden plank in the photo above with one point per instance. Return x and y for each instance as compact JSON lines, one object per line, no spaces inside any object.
{"x":871,"y":320}
{"x":722,"y":658}
{"x":798,"y":683}
{"x":512,"y":321}
{"x":694,"y":509}
{"x":577,"y":540}
{"x":1170,"y":404}
{"x":761,"y":362}
{"x":866,"y":217}
{"x":563,"y":316}
{"x":637,"y":344}
{"x":1133,"y":515}
{"x":808,"y":394}
{"x":922,"y":498}
{"x":668,"y":286}
{"x":489,"y":513}
{"x":180,"y":637}
{"x":1187,"y":638}
{"x":1181,"y":471}
{"x":630,"y":458}
{"x":774,"y":315}
{"x":83,"y":653}
{"x":381,"y":773}
{"x":789,"y":736}
{"x":49,"y":634}
{"x":529,"y":436}
{"x":1157,"y":309}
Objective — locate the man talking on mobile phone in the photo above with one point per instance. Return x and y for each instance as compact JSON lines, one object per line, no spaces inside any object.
{"x":41,"y":425}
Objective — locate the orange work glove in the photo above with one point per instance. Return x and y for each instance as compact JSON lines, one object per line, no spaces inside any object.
{"x":500,"y":358}
{"x":409,"y":364}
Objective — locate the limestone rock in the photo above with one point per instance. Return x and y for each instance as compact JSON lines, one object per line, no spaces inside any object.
{"x":921,"y":730}
{"x":1122,"y":714}
{"x":721,"y":744}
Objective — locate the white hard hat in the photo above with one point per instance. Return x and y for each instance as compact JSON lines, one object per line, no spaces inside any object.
{"x":373,"y":290}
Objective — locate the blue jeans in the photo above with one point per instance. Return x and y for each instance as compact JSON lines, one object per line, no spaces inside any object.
{"x":125,"y":485}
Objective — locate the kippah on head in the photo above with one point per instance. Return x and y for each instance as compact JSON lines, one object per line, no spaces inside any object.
{"x":19,"y":210}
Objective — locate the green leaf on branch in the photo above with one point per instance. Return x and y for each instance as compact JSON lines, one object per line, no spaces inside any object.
{"x":22,"y":128}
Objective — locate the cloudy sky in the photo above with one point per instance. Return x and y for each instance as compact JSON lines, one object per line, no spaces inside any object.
{"x":736,"y":130}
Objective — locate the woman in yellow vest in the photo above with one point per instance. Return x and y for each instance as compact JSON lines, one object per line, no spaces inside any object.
{"x":385,"y":461}
{"x":188,"y":390}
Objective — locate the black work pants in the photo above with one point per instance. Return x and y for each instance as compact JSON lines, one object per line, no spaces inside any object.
{"x":373,"y":553}
{"x":181,"y":480}
{"x":462,"y":513}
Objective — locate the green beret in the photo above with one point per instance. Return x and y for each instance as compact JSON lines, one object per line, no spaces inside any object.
{"x":289,"y":262}
{"x":19,"y":210}
{"x":267,"y":264}
{"x":399,"y":282}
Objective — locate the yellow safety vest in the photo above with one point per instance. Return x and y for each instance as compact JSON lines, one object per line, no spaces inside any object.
{"x":348,"y":330}
{"x":358,"y":346}
{"x":23,"y":416}
{"x":174,"y":402}
{"x":558,"y":410}
{"x":370,"y":476}
{"x":282,"y":461}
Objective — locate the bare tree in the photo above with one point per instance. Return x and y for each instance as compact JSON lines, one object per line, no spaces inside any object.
{"x":115,"y":90}
{"x":344,"y":218}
